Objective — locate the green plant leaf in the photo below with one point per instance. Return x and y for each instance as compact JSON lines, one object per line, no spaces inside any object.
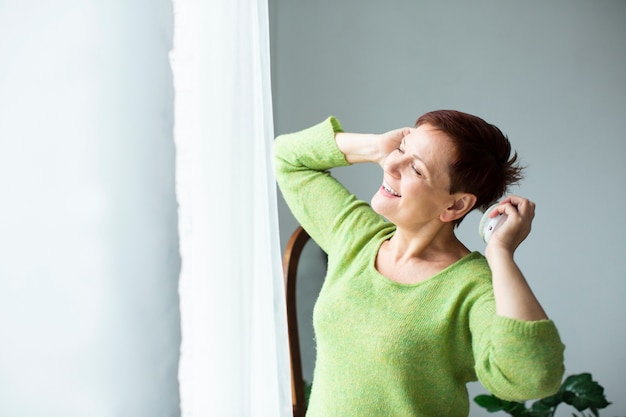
{"x":549,"y":402}
{"x":578,"y":403}
{"x":587,"y":392}
{"x":493,"y":404}
{"x":542,"y":409}
{"x":580,"y":391}
{"x":540,"y":406}
{"x":516,"y":409}
{"x":573,"y":380}
{"x":490,"y":402}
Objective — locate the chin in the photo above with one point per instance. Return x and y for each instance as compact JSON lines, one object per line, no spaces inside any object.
{"x":378,"y":205}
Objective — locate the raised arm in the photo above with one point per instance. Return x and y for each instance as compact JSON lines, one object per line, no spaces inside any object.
{"x":365,"y":147}
{"x":518,"y":351}
{"x":514,"y":298}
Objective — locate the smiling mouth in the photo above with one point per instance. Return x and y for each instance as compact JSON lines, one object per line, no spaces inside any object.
{"x":390,"y":190}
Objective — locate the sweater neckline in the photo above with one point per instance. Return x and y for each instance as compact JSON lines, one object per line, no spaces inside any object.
{"x":386,"y":236}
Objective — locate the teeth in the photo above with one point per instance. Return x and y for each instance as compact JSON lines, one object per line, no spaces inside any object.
{"x":389,"y":189}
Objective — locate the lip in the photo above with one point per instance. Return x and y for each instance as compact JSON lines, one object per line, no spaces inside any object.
{"x":388,"y":190}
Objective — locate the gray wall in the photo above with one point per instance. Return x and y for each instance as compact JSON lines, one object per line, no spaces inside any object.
{"x":89,"y":318}
{"x":550,"y":74}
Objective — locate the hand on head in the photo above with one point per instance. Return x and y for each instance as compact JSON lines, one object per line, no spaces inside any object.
{"x":390,"y":141}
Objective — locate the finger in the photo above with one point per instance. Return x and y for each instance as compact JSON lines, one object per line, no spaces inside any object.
{"x":400,"y":132}
{"x":513,"y":200}
{"x":524,"y":207}
{"x":517,"y":204}
{"x":501,"y":208}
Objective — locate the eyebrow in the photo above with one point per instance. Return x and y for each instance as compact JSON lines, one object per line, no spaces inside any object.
{"x":415,"y":156}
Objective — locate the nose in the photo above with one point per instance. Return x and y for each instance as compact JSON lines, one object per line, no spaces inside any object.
{"x":392,"y":164}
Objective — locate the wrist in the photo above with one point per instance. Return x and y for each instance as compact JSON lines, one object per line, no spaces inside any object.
{"x":359,"y":147}
{"x":498,"y":253}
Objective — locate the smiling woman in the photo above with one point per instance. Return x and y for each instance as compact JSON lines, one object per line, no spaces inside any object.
{"x":557,"y":91}
{"x":407,"y":315}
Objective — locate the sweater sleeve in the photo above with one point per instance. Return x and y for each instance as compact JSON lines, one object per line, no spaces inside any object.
{"x":317,"y":200}
{"x":515,"y":360}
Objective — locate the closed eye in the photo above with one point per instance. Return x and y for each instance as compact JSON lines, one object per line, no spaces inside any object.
{"x":417,"y":171}
{"x":413,"y":167}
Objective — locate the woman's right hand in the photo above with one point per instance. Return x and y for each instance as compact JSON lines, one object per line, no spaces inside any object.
{"x":390,"y":141}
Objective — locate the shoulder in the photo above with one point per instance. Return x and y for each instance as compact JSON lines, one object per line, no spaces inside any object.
{"x":471,"y":277}
{"x":473,"y":266}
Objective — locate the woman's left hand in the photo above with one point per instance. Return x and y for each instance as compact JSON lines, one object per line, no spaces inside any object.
{"x":511,"y":233}
{"x":514,"y":298}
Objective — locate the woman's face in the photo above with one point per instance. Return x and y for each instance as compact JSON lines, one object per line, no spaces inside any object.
{"x":416,"y":181}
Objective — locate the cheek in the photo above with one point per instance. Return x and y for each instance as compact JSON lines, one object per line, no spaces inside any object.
{"x":426,"y":200}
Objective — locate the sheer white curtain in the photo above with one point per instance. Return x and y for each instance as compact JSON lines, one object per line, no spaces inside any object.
{"x":234,"y":353}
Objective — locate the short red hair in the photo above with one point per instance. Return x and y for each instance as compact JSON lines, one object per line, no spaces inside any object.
{"x":485,"y":165}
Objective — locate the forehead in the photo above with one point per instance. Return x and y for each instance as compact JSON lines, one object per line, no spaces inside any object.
{"x":430,"y":143}
{"x":435,"y":150}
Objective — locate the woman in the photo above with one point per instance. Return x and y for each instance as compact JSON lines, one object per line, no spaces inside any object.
{"x":407,"y":314}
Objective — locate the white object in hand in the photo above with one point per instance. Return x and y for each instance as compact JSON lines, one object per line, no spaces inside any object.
{"x":488,"y":225}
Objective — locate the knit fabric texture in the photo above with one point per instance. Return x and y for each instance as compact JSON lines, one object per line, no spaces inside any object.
{"x":391,"y":349}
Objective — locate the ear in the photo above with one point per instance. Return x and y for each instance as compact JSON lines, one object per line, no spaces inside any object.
{"x":462,"y":204}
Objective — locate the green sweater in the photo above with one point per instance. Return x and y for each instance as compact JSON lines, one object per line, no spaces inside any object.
{"x":391,"y":349}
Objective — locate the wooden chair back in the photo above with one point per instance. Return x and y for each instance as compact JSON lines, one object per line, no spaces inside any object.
{"x":291,"y":257}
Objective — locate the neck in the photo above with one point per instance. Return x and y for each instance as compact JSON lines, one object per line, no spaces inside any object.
{"x":432,"y":244}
